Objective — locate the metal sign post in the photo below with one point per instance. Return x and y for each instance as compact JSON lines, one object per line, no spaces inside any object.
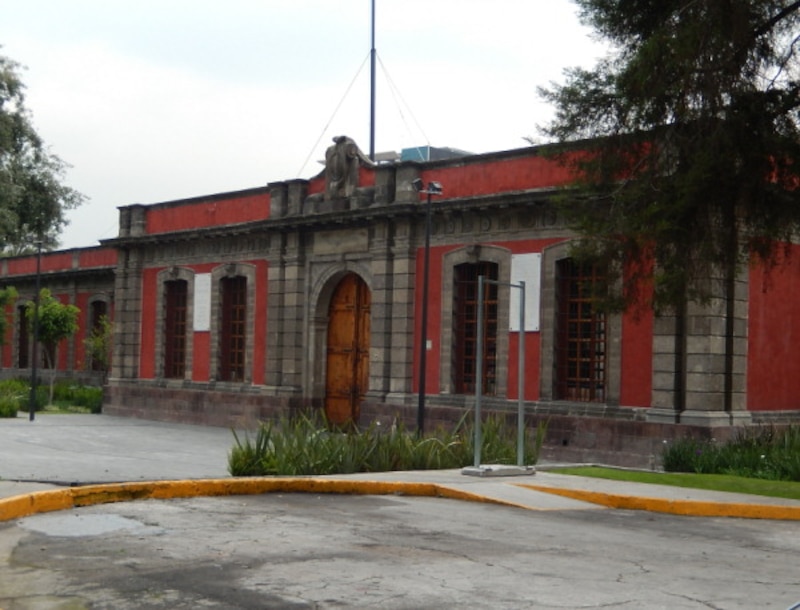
{"x":497,"y":469}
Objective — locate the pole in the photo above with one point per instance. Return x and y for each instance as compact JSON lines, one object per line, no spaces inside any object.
{"x":521,"y":380}
{"x":423,"y":350}
{"x":34,"y":364}
{"x":372,"y":90}
{"x":479,"y":375}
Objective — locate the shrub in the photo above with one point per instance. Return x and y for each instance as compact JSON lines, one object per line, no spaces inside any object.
{"x":9,"y":405}
{"x":764,"y":453}
{"x":307,"y":445}
{"x":65,"y":394}
{"x":88,"y":396}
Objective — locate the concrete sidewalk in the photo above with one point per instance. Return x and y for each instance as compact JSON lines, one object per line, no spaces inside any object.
{"x":79,"y":458}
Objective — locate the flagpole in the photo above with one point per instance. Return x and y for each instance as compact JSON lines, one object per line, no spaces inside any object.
{"x":372,"y":90}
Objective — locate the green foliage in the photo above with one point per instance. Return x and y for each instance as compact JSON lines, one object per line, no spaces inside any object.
{"x":33,"y":198}
{"x":763,"y":453}
{"x":68,"y":393}
{"x":41,"y":398}
{"x":306,"y":445}
{"x":13,"y":393}
{"x":691,"y":135}
{"x":713,"y":482}
{"x":98,"y":346}
{"x":57,"y":321}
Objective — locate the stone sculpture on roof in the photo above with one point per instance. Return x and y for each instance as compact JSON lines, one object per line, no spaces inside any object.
{"x":342,"y":161}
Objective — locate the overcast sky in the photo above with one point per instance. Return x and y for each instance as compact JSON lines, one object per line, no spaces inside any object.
{"x":155,"y":100}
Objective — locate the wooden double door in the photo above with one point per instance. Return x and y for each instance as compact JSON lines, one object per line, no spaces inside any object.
{"x":347,"y":364}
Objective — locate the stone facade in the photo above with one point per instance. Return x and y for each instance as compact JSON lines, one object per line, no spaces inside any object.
{"x":294,"y":242}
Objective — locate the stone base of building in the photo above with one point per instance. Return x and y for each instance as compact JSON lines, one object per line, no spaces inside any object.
{"x":707,"y":419}
{"x":575,"y":433}
{"x":205,"y":405}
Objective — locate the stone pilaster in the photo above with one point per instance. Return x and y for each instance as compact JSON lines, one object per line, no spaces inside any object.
{"x":286,"y":305}
{"x":401,"y":323}
{"x":127,"y":314}
{"x":699,"y":372}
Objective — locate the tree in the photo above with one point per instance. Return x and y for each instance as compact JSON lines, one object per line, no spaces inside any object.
{"x":689,"y":138}
{"x":33,"y":197}
{"x":57,"y":321}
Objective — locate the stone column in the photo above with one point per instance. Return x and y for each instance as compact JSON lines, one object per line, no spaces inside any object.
{"x":380,"y":357}
{"x":699,"y":375}
{"x":285,"y":305}
{"x":400,"y":325}
{"x":127,"y":314}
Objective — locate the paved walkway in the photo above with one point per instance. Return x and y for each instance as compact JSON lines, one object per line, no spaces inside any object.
{"x":83,"y":459}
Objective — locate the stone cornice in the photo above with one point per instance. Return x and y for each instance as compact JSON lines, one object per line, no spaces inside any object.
{"x":351,"y":217}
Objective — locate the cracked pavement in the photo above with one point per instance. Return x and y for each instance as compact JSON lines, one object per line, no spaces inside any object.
{"x":324,"y":551}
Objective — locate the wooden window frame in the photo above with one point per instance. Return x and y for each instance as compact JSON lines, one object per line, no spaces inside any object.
{"x":233,"y":329}
{"x":176,"y":299}
{"x":465,"y":329}
{"x":581,"y":335}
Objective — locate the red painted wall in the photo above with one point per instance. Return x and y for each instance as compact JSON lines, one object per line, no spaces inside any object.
{"x":637,"y":360}
{"x":636,"y":383}
{"x":773,"y":361}
{"x":501,"y":176}
{"x":97,"y":257}
{"x":82,"y":303}
{"x":207,"y":213}
{"x":201,"y":358}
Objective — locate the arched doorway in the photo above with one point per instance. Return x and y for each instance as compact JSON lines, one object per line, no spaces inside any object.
{"x":347,"y":362}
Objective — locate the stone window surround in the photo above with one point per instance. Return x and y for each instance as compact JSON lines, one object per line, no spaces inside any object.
{"x":550,"y":257}
{"x":96,"y":298}
{"x":172,"y":274}
{"x":100,"y":297}
{"x":473,"y":254}
{"x":221,"y":271}
{"x":228,"y":270}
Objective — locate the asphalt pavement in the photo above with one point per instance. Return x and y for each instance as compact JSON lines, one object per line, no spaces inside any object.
{"x":86,"y":459}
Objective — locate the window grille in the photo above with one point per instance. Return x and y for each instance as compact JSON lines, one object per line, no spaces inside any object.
{"x":465,"y":332}
{"x":581,"y":334}
{"x":233,"y":328}
{"x":175,"y":328}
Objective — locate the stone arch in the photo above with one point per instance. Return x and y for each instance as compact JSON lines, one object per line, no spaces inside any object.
{"x":163,"y":276}
{"x":320,"y":300}
{"x":95,"y":299}
{"x":226,"y":270}
{"x":472,"y":254}
{"x":550,"y":257}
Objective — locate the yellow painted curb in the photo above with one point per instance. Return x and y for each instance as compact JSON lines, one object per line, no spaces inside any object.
{"x":60,"y":499}
{"x":697,"y":508}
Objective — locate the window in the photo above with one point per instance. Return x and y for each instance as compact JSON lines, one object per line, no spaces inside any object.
{"x":465,"y":329}
{"x":175,"y":328}
{"x":233,"y":328}
{"x":580,"y":334}
{"x":23,"y":337}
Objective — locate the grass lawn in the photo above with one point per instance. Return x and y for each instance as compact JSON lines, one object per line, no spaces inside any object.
{"x":715,"y":482}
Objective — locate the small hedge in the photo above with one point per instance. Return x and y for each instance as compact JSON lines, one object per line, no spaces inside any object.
{"x":15,"y":396}
{"x":756,"y":452}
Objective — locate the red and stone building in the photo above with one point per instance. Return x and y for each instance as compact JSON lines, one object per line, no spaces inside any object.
{"x":237,"y":307}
